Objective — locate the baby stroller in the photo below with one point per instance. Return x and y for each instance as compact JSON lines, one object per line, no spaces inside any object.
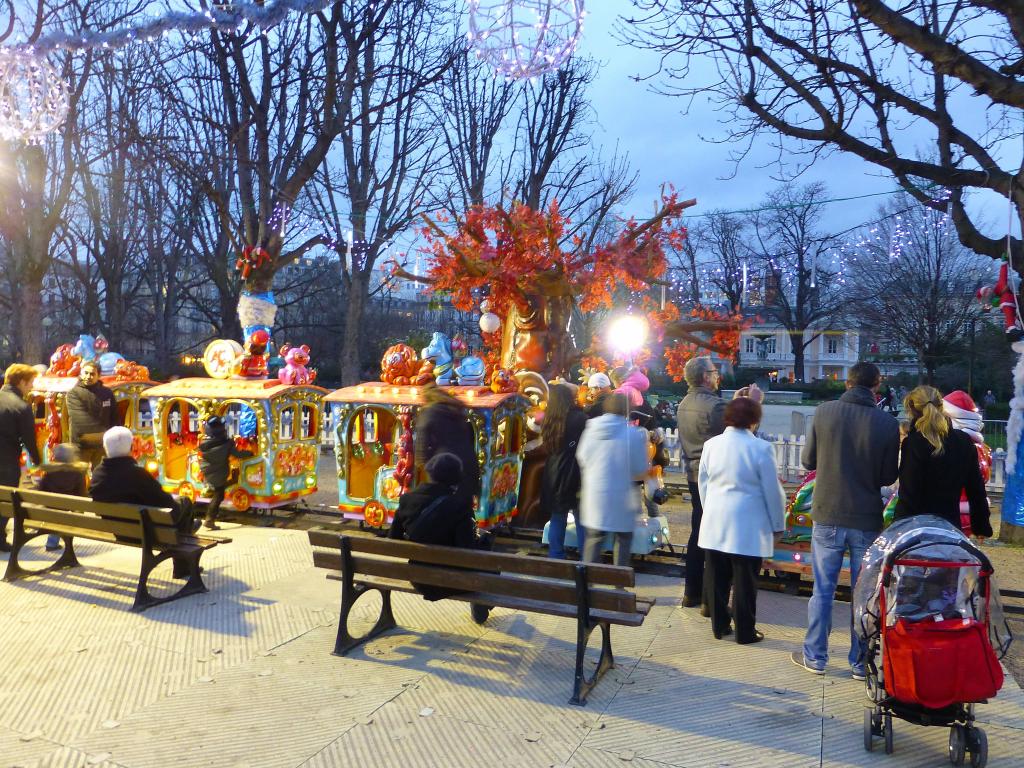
{"x":926,"y":604}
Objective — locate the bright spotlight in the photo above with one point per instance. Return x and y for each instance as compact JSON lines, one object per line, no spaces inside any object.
{"x":628,"y":333}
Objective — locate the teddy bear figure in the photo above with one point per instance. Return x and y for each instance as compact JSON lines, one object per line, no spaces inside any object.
{"x":295,"y":370}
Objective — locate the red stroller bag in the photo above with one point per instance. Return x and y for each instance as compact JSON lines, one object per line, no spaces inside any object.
{"x":939,"y":663}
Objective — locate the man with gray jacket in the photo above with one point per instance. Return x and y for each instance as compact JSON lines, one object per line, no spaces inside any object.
{"x":854,"y":447}
{"x":700,"y":417}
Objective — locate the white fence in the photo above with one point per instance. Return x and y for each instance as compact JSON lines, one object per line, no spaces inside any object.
{"x":789,"y":449}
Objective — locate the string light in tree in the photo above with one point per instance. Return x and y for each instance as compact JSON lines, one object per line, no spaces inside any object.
{"x":525,"y":38}
{"x":33,"y":97}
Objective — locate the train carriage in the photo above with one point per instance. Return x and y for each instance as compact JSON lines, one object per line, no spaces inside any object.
{"x":49,"y":404}
{"x":374,"y":429}
{"x":278,"y":423}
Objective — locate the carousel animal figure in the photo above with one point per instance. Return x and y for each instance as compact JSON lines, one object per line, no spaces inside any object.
{"x":85,"y":347}
{"x":252,"y":364}
{"x":471,"y":372}
{"x":399,"y":365}
{"x":107,"y":359}
{"x":440,"y":352}
{"x":64,"y":362}
{"x":295,"y":370}
{"x":125,"y":370}
{"x":503,"y":381}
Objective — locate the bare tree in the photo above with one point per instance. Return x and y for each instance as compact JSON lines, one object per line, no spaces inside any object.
{"x":914,"y":283}
{"x":36,"y":189}
{"x":472,"y":110}
{"x":723,"y":254}
{"x":802,"y":289}
{"x":862,"y":77}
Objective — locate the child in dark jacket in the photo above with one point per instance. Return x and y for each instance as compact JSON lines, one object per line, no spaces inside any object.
{"x":214,"y":455}
{"x":64,"y":474}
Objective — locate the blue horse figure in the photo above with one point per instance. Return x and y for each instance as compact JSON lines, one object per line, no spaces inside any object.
{"x":440,"y":351}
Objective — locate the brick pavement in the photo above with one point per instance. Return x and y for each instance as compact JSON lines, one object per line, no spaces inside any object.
{"x":243,"y":676}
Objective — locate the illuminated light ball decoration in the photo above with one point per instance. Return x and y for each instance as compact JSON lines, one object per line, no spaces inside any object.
{"x":525,"y":38}
{"x":33,"y":97}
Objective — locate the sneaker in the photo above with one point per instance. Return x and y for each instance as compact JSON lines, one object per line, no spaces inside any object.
{"x":690,"y":602}
{"x":211,"y":525}
{"x":857,"y":674}
{"x":797,"y":657}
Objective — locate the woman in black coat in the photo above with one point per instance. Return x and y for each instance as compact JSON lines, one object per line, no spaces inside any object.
{"x":937,"y":462}
{"x":563,"y":424}
{"x":442,"y":426}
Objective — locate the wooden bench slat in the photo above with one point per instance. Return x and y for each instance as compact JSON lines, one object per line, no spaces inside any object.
{"x":158,"y":515}
{"x":46,"y":516}
{"x":514,"y":585}
{"x":504,"y":601}
{"x":612,"y":575}
{"x":6,"y":509}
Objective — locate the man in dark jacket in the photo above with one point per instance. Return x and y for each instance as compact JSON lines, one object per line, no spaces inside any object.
{"x":436,"y":513}
{"x":854,"y":447}
{"x":442,"y":426}
{"x":118,"y":479}
{"x":701,"y":416}
{"x":91,"y":412}
{"x":17,"y":431}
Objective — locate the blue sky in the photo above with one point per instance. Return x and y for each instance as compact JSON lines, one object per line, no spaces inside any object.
{"x":666,"y":145}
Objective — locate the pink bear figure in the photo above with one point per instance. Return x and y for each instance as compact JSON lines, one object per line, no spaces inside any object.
{"x":295,"y":370}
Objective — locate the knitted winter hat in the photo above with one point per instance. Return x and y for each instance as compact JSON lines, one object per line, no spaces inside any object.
{"x":599,"y":381}
{"x":445,"y":468}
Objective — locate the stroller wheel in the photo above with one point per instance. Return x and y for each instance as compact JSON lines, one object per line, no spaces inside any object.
{"x":957,"y":744}
{"x":869,"y":730}
{"x":887,"y":728}
{"x":979,"y":748}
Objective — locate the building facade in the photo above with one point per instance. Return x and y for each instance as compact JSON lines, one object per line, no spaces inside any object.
{"x":829,"y":355}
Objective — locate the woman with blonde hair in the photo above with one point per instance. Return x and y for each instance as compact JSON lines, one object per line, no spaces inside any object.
{"x":936,"y":463}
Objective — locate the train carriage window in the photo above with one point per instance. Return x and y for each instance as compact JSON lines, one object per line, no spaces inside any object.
{"x":124,"y":413}
{"x":369,"y":446}
{"x":508,"y":436}
{"x":310,"y":422}
{"x":286,"y":423}
{"x":144,"y":417}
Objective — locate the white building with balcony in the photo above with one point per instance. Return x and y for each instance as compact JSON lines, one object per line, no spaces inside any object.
{"x":829,"y":355}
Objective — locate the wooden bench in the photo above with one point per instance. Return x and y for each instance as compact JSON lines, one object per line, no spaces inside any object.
{"x":35,"y":513}
{"x":595,"y":595}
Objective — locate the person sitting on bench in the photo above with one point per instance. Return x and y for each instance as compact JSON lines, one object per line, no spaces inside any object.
{"x":118,"y":479}
{"x":435,"y":513}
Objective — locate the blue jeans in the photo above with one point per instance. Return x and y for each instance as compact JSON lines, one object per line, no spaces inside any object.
{"x":829,"y":543}
{"x":556,"y":534}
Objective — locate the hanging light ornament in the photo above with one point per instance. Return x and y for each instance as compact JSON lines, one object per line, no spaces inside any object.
{"x":489,"y":322}
{"x":525,"y":38}
{"x":33,"y":97}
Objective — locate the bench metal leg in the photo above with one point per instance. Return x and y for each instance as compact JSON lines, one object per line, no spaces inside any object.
{"x":20,"y":538}
{"x":582,"y":685}
{"x":189,"y":563}
{"x":385,"y":621}
{"x":350,"y":593}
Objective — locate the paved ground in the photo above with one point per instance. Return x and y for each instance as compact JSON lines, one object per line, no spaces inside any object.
{"x":243,"y":676}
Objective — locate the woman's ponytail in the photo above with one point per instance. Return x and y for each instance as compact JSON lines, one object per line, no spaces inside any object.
{"x":924,"y":406}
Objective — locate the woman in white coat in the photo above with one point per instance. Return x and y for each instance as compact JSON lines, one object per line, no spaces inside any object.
{"x":612,"y":455}
{"x":744,"y":506}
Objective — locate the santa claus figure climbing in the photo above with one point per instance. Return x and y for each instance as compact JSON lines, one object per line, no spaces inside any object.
{"x":1001,"y":295}
{"x":962,"y":411}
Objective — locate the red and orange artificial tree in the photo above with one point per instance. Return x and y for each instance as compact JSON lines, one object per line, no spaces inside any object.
{"x":534,"y":277}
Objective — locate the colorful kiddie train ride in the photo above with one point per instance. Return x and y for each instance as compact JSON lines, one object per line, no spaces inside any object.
{"x":375,"y":424}
{"x":127,"y":381}
{"x":277,"y":420}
